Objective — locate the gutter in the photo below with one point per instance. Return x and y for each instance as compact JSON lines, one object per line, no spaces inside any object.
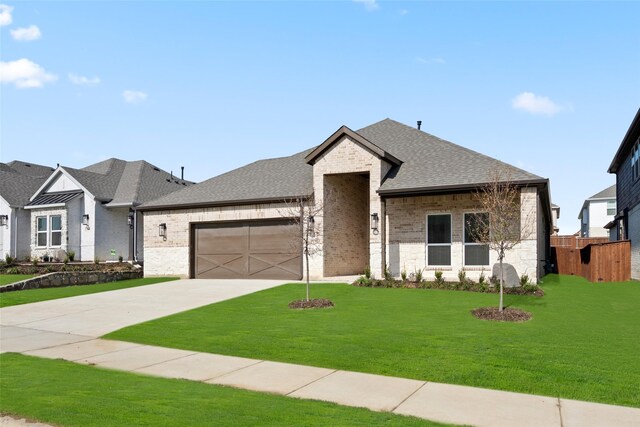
{"x":452,"y":188}
{"x":196,"y":205}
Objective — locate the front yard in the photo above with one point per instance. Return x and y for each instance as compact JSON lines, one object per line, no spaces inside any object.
{"x":582,"y":342}
{"x":64,"y":393}
{"x":5,"y":279}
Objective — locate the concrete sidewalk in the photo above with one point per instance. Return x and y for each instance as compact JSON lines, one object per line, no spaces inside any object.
{"x":68,"y":329}
{"x":433,"y":401}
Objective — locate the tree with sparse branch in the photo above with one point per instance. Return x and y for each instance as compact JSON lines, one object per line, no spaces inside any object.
{"x":303,"y":212}
{"x":502,"y":227}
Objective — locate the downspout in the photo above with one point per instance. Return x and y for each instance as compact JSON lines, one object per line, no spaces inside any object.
{"x":15,"y":234}
{"x":135,"y":236}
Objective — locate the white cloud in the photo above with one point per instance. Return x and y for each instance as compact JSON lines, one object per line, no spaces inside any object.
{"x":422,"y":60}
{"x":134,"y":96}
{"x":439,"y":60}
{"x":370,"y":5}
{"x":26,"y":34}
{"x":5,"y":15}
{"x":83,"y":81}
{"x":24,"y":74}
{"x":535,"y":104}
{"x":403,"y":12}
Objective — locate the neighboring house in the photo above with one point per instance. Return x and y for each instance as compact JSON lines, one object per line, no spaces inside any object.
{"x":391,"y":195}
{"x":626,"y":166}
{"x":596,"y":212}
{"x":18,"y":181}
{"x":91,"y":211}
{"x":555,"y":216}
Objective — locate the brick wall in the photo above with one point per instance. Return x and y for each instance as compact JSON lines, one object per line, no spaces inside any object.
{"x":171,"y":256}
{"x":343,"y":157}
{"x":406,"y":234}
{"x":346,"y":226}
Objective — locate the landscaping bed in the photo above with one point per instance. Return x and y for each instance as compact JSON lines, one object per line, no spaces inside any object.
{"x":40,"y":268}
{"x":506,"y":315}
{"x":581,"y":343}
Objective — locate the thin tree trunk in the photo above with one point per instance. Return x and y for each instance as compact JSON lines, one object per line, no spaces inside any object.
{"x":501,"y":284}
{"x":306,"y":255}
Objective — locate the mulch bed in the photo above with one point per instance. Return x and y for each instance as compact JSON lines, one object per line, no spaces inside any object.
{"x":507,"y":314}
{"x":313,"y":303}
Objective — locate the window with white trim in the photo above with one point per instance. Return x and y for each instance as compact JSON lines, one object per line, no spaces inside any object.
{"x":475,"y":230}
{"x":42,"y":231}
{"x":635,"y":160}
{"x":49,"y":231}
{"x":611,"y":207}
{"x":439,"y":240}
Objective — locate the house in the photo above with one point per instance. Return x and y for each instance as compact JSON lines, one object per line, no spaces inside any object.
{"x":596,"y":212}
{"x":18,"y":181}
{"x":391,"y":195}
{"x":626,"y":166}
{"x":555,"y":216}
{"x":91,"y":211}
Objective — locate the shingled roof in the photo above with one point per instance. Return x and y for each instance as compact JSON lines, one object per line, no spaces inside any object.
{"x":122,"y":183}
{"x":422,"y":163}
{"x":19,"y":180}
{"x":264,"y":180}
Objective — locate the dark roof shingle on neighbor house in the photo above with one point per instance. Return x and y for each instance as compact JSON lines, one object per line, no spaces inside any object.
{"x":422,"y":163}
{"x":607,"y":193}
{"x":122,"y":183}
{"x":19,"y":180}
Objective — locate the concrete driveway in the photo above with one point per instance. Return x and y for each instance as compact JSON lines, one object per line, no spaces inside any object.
{"x":67,"y":320}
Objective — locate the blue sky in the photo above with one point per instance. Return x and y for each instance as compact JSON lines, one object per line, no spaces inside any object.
{"x":548,"y":86}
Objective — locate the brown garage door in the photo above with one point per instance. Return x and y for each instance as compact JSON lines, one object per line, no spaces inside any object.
{"x":257,"y":250}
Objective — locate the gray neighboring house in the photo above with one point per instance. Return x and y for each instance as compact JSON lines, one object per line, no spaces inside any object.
{"x":18,"y":181}
{"x":626,"y":166}
{"x":392,"y":195}
{"x":91,"y":211}
{"x":596,"y":212}
{"x":555,"y":216}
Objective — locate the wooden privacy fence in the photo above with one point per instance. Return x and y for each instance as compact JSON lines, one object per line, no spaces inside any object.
{"x":596,"y":262}
{"x":576,"y":242}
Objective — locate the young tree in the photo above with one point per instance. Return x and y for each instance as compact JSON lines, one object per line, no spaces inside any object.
{"x":303,"y":212}
{"x":502,"y":227}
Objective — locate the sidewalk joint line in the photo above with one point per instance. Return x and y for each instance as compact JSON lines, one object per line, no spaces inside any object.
{"x":560,"y":412}
{"x":134,"y":345}
{"x":407,"y":398}
{"x":314,"y":381}
{"x":230,"y":372}
{"x":159,"y":363}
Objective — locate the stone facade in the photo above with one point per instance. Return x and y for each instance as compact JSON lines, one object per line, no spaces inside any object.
{"x":170,"y":257}
{"x":71,"y":278}
{"x":407,"y":235}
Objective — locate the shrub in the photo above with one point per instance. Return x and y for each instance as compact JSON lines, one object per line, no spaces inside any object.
{"x":482,"y":278}
{"x":403,"y":274}
{"x":71,"y":255}
{"x":46,"y":258}
{"x":387,"y":273}
{"x":367,"y":272}
{"x":13,"y":270}
{"x":418,"y":274}
{"x":35,"y":260}
{"x":66,"y":260}
{"x":439,"y":279}
{"x":96,"y":260}
{"x":363,"y":281}
{"x":120,"y":258}
{"x":462,"y":276}
{"x":524,"y":280}
{"x":9,"y":259}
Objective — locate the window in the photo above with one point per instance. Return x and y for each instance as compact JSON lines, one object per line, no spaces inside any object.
{"x":49,"y":231}
{"x":635,"y":160}
{"x":475,"y":230}
{"x":611,"y":207}
{"x":439,"y":239}
{"x":56,"y":230}
{"x":41,"y":234}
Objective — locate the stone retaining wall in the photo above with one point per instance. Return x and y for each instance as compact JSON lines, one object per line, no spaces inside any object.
{"x":71,"y":278}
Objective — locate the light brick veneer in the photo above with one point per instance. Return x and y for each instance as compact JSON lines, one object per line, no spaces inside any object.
{"x":406,"y":234}
{"x":171,"y":256}
{"x":346,"y":156}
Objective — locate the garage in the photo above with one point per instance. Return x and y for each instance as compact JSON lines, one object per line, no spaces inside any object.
{"x":250,"y":250}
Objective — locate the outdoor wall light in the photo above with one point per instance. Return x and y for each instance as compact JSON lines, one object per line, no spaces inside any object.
{"x":374,"y":222}
{"x":162,"y":231}
{"x":85,"y":220}
{"x":4,"y":221}
{"x":130,"y":219}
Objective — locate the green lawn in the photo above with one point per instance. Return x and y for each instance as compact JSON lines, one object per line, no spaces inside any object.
{"x":5,"y":279}
{"x":35,"y":295}
{"x":582,"y":343}
{"x":64,"y":393}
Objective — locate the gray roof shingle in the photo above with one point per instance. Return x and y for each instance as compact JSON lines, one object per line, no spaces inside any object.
{"x":607,"y":193}
{"x":432,"y":163}
{"x":19,"y":180}
{"x":271,"y":179}
{"x":428,"y":162}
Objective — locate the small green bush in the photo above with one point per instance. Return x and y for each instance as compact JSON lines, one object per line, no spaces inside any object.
{"x":403,"y":274}
{"x":71,"y":255}
{"x":462,"y":276}
{"x":387,"y":273}
{"x":367,"y":272}
{"x":439,"y":279}
{"x":418,"y":274}
{"x":524,"y":280}
{"x":9,"y":260}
